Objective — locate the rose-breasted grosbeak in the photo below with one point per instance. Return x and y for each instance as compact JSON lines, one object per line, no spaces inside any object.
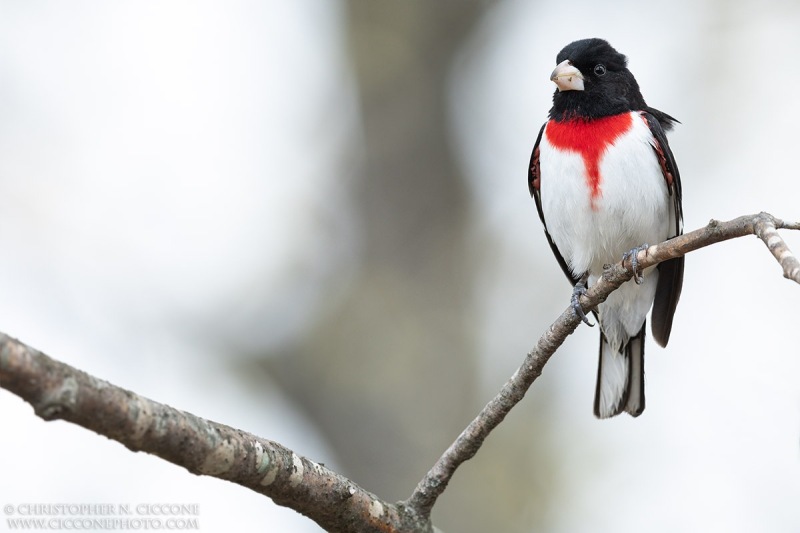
{"x":605,"y":183}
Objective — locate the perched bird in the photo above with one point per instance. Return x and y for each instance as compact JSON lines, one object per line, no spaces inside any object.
{"x":605,"y":184}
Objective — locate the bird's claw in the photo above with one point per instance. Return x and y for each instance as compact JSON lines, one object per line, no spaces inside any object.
{"x":632,"y":254}
{"x":577,"y":292}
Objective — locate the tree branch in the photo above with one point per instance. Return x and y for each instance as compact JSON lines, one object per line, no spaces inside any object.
{"x":469,"y":442}
{"x":58,"y":391}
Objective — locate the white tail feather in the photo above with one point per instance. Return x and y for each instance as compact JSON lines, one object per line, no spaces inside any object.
{"x":612,"y":381}
{"x":620,"y":378}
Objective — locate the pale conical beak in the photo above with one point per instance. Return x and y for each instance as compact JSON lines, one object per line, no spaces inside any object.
{"x":567,"y":77}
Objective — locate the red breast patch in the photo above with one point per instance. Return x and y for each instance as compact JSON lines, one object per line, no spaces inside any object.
{"x":590,"y":138}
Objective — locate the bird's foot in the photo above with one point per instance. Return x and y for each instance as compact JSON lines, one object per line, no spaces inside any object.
{"x":577,"y":292}
{"x":632,"y":254}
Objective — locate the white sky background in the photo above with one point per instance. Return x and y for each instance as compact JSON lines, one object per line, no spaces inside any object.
{"x":166,"y":168}
{"x":170,"y":166}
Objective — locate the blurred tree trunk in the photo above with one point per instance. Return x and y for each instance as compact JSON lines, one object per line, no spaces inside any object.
{"x":389,"y":374}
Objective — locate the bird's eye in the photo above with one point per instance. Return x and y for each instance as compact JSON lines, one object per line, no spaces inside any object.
{"x":600,"y":70}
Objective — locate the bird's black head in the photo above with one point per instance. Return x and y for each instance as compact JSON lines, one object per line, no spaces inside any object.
{"x":593,"y":81}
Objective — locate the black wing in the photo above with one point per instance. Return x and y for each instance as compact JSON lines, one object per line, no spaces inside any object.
{"x":667,"y":122}
{"x":534,"y":178}
{"x":670,"y":273}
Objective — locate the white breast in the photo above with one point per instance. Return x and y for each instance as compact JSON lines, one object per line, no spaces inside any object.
{"x":632,"y":207}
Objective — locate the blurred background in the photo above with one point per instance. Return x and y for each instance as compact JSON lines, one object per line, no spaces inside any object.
{"x":310,"y":220}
